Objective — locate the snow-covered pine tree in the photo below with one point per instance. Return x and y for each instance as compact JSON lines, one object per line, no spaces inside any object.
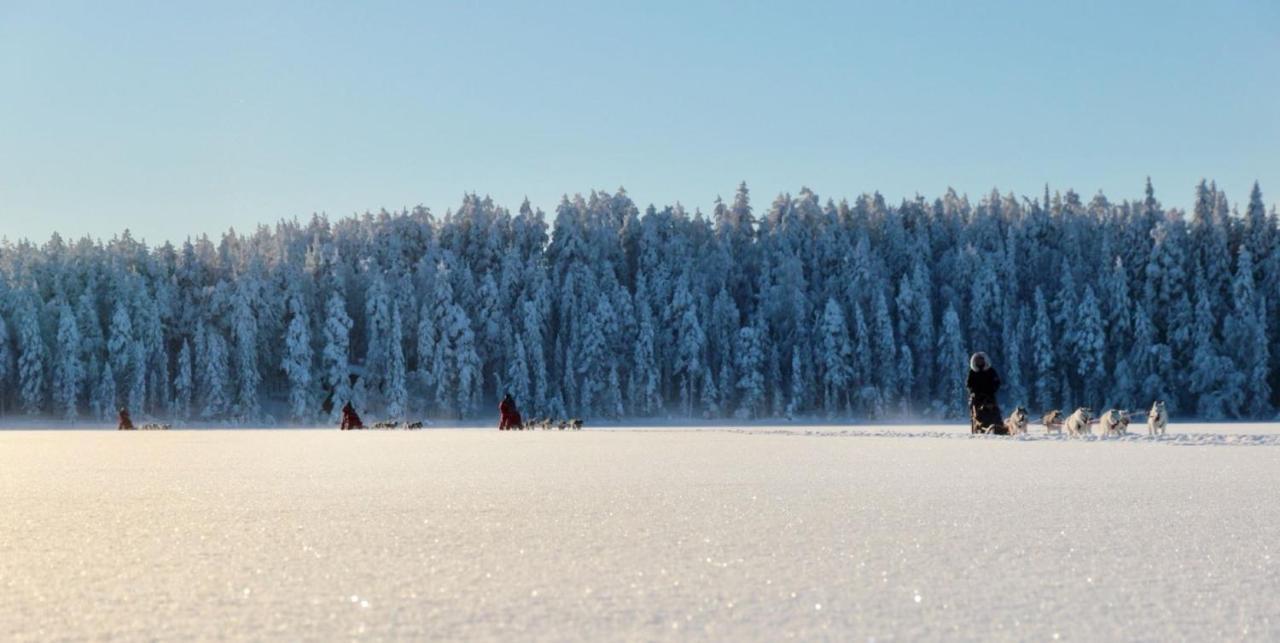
{"x":68,"y":370}
{"x":537,"y":365}
{"x":836,"y":354}
{"x":1089,"y":345}
{"x":884,"y":350}
{"x":335,"y":356}
{"x":517,"y":378}
{"x":1213,"y":379}
{"x":953,"y":365}
{"x":297,"y":360}
{"x":689,"y":344}
{"x":244,"y":338}
{"x":104,"y":401}
{"x":796,"y":400}
{"x":1043,"y":360}
{"x":465,"y":377}
{"x":31,"y":356}
{"x":645,"y":377}
{"x":183,"y":383}
{"x":377,"y":330}
{"x":120,"y":345}
{"x":216,"y":375}
{"x":749,"y":362}
{"x":395,"y":387}
{"x":6,"y":364}
{"x":612,"y":400}
{"x":860,"y":372}
{"x":1245,"y":339}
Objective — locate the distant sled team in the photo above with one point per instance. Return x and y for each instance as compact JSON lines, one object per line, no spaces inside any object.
{"x":983,"y":383}
{"x":509,"y":419}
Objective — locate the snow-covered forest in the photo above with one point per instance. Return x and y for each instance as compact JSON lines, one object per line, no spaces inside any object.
{"x":804,"y":307}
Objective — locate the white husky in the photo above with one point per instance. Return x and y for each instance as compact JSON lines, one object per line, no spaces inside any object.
{"x":1114,"y":422}
{"x":1157,"y":419}
{"x":1077,"y":423}
{"x":1016,"y":423}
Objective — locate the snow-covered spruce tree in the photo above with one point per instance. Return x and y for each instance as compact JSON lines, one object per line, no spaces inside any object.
{"x":612,"y":397}
{"x":92,"y":342}
{"x":1090,"y":342}
{"x":216,"y":376}
{"x":395,"y":387}
{"x":183,"y":383}
{"x":537,"y":363}
{"x":6,"y":363}
{"x":31,"y":356}
{"x":953,"y":364}
{"x":465,"y":376}
{"x":1208,"y":241}
{"x":297,"y":360}
{"x":138,"y":377}
{"x":645,"y":377}
{"x":120,"y":349}
{"x":1214,"y":379}
{"x":836,"y":354}
{"x":1044,"y":373}
{"x":591,"y":363}
{"x":749,"y":361}
{"x":1245,"y":339}
{"x":884,"y":349}
{"x":1065,"y":311}
{"x":915,"y":327}
{"x":797,"y":399}
{"x":986,"y":306}
{"x":1015,"y":339}
{"x":104,"y":400}
{"x":377,"y":310}
{"x":244,"y":337}
{"x":689,"y":344}
{"x":68,"y":371}
{"x":867,"y":396}
{"x":721,"y":336}
{"x":517,"y":378}
{"x":335,"y":356}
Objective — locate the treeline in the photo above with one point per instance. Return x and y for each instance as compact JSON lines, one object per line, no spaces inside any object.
{"x":833,"y":309}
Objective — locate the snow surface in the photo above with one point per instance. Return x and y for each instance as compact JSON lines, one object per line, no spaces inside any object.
{"x":761,"y":533}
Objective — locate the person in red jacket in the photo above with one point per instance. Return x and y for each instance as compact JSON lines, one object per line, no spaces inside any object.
{"x":350,"y":419}
{"x":126,"y":423}
{"x":508,"y":416}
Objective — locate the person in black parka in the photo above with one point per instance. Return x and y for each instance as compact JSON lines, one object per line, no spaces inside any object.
{"x":983,"y":384}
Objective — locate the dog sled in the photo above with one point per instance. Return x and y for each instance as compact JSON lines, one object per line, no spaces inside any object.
{"x":985,"y":417}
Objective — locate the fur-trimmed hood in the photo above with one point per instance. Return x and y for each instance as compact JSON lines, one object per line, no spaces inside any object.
{"x":973,"y":362}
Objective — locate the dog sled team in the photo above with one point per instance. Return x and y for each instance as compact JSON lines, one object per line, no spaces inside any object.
{"x":983,"y":382}
{"x":509,"y":419}
{"x":125,"y":423}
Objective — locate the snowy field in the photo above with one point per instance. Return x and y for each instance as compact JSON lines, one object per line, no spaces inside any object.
{"x":756,"y":534}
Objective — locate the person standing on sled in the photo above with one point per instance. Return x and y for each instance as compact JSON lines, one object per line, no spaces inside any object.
{"x":350,"y":419}
{"x":983,"y":384}
{"x":126,"y":423}
{"x":508,"y":416}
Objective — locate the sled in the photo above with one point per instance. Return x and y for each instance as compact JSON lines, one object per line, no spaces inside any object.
{"x":986,"y":418}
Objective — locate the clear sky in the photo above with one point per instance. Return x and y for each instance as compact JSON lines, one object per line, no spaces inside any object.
{"x":174,"y":118}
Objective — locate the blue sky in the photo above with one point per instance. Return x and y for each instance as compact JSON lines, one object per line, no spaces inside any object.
{"x":174,"y":118}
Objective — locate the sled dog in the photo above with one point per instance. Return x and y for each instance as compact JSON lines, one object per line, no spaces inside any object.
{"x":1077,"y":423}
{"x":1016,"y":423}
{"x":1157,"y":419}
{"x":1114,"y":422}
{"x":1052,"y":421}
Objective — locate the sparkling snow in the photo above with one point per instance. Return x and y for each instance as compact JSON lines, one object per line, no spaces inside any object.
{"x":760,"y":533}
